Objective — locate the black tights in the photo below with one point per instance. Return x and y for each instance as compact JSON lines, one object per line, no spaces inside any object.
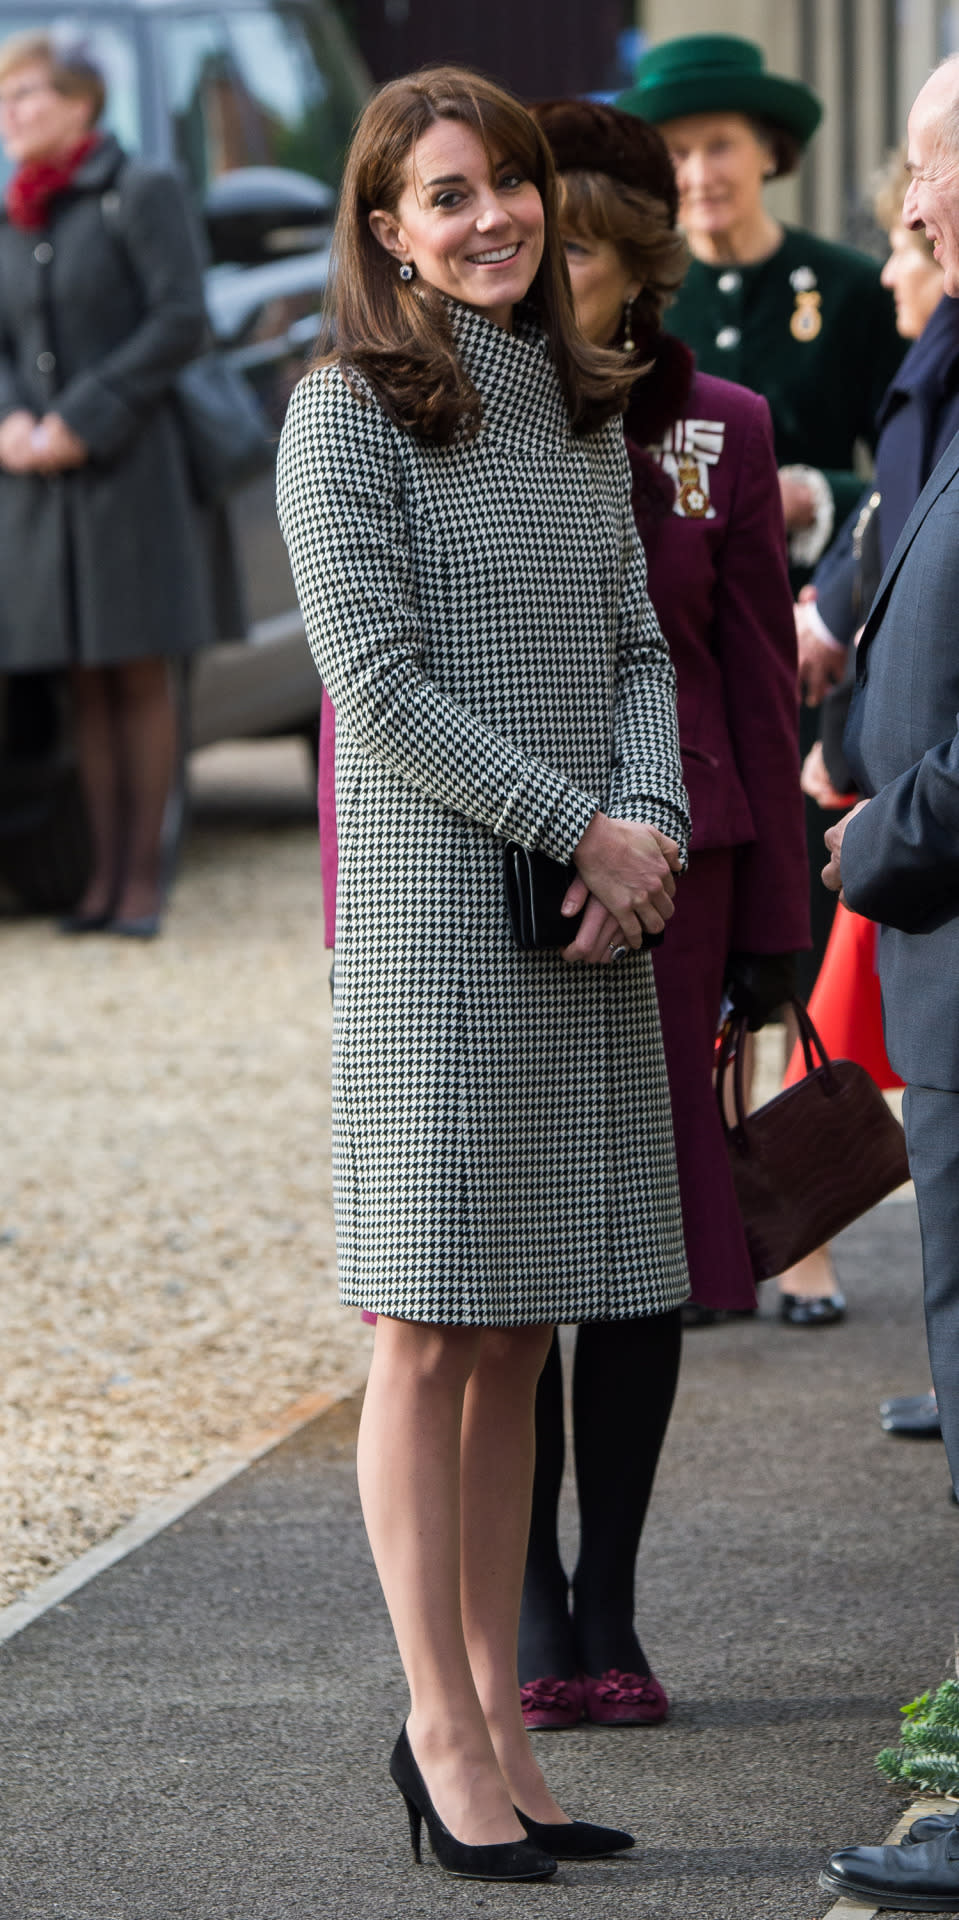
{"x":126,"y":734}
{"x":624,"y":1383}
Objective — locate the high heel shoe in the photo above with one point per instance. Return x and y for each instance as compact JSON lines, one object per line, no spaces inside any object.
{"x":575,"y":1839}
{"x":509,"y":1860}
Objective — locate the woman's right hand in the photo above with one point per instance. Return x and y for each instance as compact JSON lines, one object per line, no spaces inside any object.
{"x":630,"y":869}
{"x":16,"y":448}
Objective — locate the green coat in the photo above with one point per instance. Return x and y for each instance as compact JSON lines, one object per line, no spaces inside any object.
{"x":811,"y":329}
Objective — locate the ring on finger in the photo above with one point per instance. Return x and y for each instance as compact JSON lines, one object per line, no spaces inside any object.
{"x":616,"y":953}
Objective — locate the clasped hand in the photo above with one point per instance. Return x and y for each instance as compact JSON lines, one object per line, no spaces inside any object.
{"x":626,"y":880}
{"x":29,"y":445}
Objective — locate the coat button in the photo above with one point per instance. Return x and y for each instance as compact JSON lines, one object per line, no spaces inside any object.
{"x":46,"y":362}
{"x":43,"y":253}
{"x":729,"y":282}
{"x":728,"y":337}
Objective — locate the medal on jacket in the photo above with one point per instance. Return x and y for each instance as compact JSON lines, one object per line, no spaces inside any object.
{"x":693,"y":499}
{"x":805,"y":321}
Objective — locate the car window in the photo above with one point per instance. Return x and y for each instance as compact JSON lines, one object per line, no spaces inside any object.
{"x":113,"y":47}
{"x":260,"y":87}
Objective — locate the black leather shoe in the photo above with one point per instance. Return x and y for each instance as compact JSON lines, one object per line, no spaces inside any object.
{"x":929,"y":1827}
{"x":919,"y":1879}
{"x":86,"y":922}
{"x":824,"y":1311}
{"x":505,"y":1860}
{"x":575,"y":1839}
{"x":145,"y":926}
{"x":693,"y":1315}
{"x":914,"y":1415}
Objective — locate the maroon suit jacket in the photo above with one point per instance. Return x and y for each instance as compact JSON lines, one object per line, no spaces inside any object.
{"x":716,"y":550}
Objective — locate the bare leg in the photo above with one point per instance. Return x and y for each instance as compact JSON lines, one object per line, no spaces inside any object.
{"x":497,"y":1481}
{"x":813,"y":1278}
{"x":96,"y":759}
{"x":408,"y":1462}
{"x":146,"y":747}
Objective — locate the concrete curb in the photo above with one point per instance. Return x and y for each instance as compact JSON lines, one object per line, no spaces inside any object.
{"x":162,"y":1513}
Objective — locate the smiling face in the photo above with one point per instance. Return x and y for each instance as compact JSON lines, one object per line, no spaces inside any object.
{"x":37,"y":122}
{"x":932,"y":198}
{"x":472,"y":234}
{"x":720,"y":165}
{"x":601,"y":283}
{"x":914,"y":280}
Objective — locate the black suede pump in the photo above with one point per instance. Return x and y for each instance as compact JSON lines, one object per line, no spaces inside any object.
{"x":510,"y":1860}
{"x":575,"y":1839}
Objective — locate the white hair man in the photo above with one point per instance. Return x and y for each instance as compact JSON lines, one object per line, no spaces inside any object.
{"x":896,"y":858}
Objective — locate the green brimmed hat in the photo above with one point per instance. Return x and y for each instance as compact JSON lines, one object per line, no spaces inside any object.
{"x":718,"y":73}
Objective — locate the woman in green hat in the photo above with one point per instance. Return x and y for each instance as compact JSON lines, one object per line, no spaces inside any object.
{"x":801,"y":320}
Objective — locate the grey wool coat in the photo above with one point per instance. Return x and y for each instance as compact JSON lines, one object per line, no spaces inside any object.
{"x":104,"y":563}
{"x":478,"y":612}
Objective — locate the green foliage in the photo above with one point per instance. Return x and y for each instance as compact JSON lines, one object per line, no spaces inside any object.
{"x":928,"y":1752}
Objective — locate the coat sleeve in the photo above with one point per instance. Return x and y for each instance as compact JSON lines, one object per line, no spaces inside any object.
{"x":106,"y":404}
{"x":869,"y":354}
{"x":340,"y":499}
{"x":647,"y":779}
{"x":755,"y":642}
{"x":900,"y":855}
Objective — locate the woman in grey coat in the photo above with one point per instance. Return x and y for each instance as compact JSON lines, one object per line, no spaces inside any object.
{"x":454,"y":492}
{"x":103,"y":575}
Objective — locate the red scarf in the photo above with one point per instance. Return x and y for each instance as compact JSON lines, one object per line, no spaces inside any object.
{"x":33,"y":186}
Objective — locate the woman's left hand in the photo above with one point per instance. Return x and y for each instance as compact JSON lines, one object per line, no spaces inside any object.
{"x":600,"y":935}
{"x":56,"y":446}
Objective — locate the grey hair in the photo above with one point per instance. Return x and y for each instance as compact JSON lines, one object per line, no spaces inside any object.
{"x":948,"y":130}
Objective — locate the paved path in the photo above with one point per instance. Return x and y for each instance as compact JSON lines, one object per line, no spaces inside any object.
{"x":202,"y":1732}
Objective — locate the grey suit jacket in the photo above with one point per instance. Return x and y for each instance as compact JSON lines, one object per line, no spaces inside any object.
{"x":900,"y":856}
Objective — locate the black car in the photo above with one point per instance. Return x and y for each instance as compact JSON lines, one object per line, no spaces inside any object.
{"x":252,"y":101}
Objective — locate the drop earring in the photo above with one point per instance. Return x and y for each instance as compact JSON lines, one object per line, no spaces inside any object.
{"x":629,"y":344}
{"x":406,"y":271}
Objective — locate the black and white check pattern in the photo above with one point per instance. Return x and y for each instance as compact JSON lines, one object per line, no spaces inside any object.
{"x":478,"y":613}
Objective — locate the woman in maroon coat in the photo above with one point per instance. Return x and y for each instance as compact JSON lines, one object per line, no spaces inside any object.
{"x":707,"y":505}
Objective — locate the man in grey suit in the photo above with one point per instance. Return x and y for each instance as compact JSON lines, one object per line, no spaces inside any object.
{"x":896,"y":858}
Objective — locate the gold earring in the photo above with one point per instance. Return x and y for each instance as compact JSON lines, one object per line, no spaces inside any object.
{"x":629,"y":344}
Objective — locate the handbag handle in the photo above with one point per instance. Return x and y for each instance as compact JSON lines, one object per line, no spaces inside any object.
{"x":732,"y":1051}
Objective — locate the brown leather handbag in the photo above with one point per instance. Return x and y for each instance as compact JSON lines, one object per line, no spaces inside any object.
{"x":811,"y":1160}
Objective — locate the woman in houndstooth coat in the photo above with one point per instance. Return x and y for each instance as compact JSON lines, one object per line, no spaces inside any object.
{"x":454,"y":493}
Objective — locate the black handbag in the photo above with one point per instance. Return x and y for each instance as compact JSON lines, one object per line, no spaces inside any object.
{"x":226,"y":433}
{"x":536,"y":887}
{"x":227,"y":437}
{"x":814,"y":1158}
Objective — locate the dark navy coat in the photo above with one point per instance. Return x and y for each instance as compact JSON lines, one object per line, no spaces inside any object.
{"x":917,"y":418}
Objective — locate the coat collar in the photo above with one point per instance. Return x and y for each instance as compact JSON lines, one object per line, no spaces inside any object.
{"x":931,"y":360}
{"x":936,"y":484}
{"x":100,"y":167}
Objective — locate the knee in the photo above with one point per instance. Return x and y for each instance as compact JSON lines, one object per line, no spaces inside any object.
{"x":519,"y":1352}
{"x":424,"y":1358}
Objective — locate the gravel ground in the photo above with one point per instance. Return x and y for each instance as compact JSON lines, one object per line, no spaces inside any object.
{"x":167,"y":1269}
{"x":167,"y":1274}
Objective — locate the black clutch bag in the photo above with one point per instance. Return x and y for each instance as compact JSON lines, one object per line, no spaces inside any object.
{"x":536,"y":887}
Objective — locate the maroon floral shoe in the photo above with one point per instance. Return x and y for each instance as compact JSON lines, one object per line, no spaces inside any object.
{"x":624,"y":1699}
{"x":551,"y":1704}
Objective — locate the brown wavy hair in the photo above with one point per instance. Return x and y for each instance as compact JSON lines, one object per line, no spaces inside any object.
{"x":396,"y":336}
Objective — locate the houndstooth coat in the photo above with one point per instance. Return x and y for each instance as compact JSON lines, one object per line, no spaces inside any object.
{"x":478,"y":612}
